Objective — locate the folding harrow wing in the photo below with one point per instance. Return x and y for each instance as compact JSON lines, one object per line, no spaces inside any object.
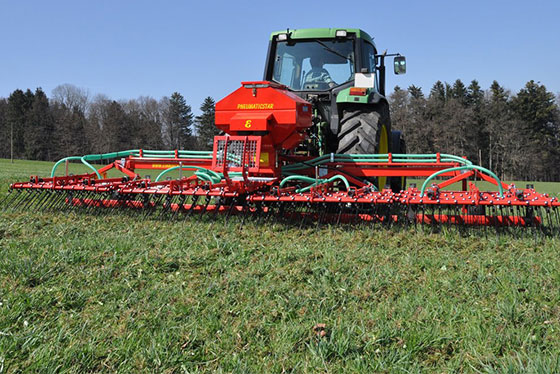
{"x":260,"y":174}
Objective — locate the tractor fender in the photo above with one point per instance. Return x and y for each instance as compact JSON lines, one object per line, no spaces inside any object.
{"x":342,"y":100}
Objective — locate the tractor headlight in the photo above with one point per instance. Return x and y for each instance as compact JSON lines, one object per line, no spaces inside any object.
{"x":282,"y":37}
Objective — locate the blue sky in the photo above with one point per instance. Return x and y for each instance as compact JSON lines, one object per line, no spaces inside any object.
{"x":126,"y":49}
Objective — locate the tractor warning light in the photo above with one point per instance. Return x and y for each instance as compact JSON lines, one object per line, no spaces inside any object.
{"x":358,"y":91}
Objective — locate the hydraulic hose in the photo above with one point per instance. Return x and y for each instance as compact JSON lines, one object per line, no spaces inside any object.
{"x":67,"y":159}
{"x":215,"y":177}
{"x":395,"y":158}
{"x":94,"y":157}
{"x":469,"y":167}
{"x":314,"y":182}
{"x":131,"y":152}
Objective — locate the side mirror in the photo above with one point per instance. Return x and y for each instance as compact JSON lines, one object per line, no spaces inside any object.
{"x":400,"y":65}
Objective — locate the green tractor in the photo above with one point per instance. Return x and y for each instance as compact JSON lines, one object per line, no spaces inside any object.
{"x":340,"y":72}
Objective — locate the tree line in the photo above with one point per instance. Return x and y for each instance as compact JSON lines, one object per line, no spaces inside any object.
{"x":515,"y":135}
{"x":33,"y":126}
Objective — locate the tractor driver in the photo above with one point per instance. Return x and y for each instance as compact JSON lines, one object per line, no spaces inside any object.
{"x":318,"y":74}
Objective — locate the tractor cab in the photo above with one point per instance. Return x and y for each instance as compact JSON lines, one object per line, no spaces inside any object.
{"x":315,"y":60}
{"x":339,"y":72}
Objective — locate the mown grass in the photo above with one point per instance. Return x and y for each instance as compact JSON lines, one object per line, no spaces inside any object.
{"x":114,"y":294}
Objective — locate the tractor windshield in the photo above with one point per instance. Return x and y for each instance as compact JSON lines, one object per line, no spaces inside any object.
{"x":314,"y":65}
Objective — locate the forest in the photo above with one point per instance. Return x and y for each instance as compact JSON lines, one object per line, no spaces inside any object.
{"x":515,"y":135}
{"x":36,"y":127}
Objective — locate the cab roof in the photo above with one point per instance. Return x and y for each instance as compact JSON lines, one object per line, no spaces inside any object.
{"x":320,"y":33}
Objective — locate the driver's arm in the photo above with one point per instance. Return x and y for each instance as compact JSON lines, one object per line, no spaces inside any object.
{"x":326,"y":77}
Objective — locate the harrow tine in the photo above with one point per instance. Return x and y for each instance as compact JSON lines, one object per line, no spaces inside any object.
{"x":10,"y":200}
{"x":420,"y":218}
{"x":35,"y":200}
{"x":157,"y":203}
{"x":15,"y":200}
{"x":146,"y":205}
{"x":231,"y":206}
{"x":120,"y":206}
{"x":50,"y":196}
{"x":192,"y":208}
{"x":96,"y":203}
{"x":38,"y":198}
{"x":339,"y":216}
{"x":6,"y":201}
{"x":44,"y":196}
{"x":243,"y":212}
{"x":165,"y":208}
{"x":302,"y":213}
{"x":259,"y":213}
{"x":322,"y":214}
{"x":54,"y":200}
{"x":150,"y":204}
{"x":217,"y":208}
{"x":22,"y":201}
{"x":555,"y":227}
{"x":180,"y":204}
{"x":89,"y":202}
{"x":132,"y":204}
{"x":5,"y":198}
{"x":66,"y":200}
{"x":205,"y":207}
{"x":110,"y":204}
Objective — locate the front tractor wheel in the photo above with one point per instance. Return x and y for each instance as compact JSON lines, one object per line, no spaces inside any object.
{"x":365,"y":131}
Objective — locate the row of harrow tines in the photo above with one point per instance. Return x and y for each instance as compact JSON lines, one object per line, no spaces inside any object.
{"x":343,"y":194}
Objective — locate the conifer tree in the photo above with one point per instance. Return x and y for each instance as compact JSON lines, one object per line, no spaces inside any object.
{"x":19,"y":104}
{"x":204,"y":124}
{"x":536,"y":110}
{"x":438,"y":91}
{"x":178,"y":121}
{"x":459,"y":92}
{"x":39,"y":128}
{"x":415,"y":92}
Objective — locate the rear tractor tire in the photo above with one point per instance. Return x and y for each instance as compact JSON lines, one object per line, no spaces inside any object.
{"x":366,"y":130}
{"x":361,"y":128}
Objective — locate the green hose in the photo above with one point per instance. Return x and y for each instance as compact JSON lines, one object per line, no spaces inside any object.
{"x":314,"y":182}
{"x":94,"y":157}
{"x":469,"y":167}
{"x":205,"y":177}
{"x":323,"y":181}
{"x":131,"y":152}
{"x":64,"y":160}
{"x":395,"y":158}
{"x":297,"y":177}
{"x":90,"y":166}
{"x":214,"y":177}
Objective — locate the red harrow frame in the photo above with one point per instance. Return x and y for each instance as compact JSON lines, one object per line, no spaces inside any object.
{"x":256,"y":173}
{"x":340,"y":194}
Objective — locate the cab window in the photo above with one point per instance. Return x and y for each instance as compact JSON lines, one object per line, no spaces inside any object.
{"x":369,"y":57}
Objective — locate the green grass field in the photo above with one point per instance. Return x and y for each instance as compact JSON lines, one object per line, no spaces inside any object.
{"x":110,"y":294}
